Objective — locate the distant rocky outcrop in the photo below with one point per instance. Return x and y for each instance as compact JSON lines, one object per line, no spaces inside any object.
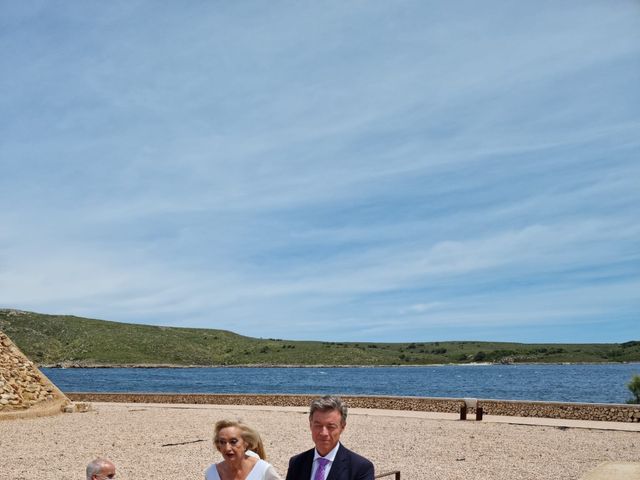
{"x":24,"y":390}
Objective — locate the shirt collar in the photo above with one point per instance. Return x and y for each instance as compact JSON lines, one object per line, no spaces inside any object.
{"x":329,"y":456}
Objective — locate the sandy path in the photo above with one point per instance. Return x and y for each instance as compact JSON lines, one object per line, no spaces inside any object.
{"x":133,"y":435}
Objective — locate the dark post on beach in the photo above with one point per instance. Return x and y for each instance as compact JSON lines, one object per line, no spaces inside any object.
{"x":463,"y":412}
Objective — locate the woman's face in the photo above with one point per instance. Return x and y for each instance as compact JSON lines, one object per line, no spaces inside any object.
{"x":230,"y":443}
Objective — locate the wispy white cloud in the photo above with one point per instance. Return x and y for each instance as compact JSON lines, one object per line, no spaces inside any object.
{"x":385,"y":170}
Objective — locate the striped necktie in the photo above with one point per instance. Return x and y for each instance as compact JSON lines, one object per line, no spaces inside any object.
{"x":322,"y":463}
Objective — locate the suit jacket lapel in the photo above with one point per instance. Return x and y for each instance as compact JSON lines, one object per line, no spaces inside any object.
{"x":307,"y":465}
{"x":339,"y":465}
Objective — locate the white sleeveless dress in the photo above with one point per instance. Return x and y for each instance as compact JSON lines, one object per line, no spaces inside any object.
{"x":260,"y":471}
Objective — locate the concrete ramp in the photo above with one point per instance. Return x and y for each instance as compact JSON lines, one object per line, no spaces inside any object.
{"x":24,"y":390}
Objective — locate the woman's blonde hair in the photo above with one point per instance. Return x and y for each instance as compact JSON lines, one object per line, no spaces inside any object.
{"x":248,"y":434}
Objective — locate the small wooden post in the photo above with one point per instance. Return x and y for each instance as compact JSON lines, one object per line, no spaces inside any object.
{"x":463,"y":412}
{"x":478,"y":413}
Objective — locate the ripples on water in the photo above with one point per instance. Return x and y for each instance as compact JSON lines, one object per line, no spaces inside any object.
{"x":567,"y":383}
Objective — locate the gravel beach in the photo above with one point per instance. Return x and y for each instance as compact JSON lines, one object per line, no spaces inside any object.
{"x":170,"y":442}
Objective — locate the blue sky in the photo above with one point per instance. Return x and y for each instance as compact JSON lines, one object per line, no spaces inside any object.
{"x":346,"y":171}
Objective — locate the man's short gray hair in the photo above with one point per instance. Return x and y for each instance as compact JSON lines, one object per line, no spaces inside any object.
{"x":328,"y":403}
{"x":96,"y":466}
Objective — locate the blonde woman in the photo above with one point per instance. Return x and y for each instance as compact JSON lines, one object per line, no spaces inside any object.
{"x":242,"y":452}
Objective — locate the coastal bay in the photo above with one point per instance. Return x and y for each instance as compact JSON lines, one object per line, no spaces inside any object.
{"x":592,"y":383}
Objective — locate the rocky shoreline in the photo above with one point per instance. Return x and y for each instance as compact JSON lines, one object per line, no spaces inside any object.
{"x":297,"y":365}
{"x":509,"y":408}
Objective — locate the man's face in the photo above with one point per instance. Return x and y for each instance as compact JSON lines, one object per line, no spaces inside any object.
{"x":326,"y":428}
{"x":106,"y":473}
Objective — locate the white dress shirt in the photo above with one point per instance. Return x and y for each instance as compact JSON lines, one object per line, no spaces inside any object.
{"x":329,"y":456}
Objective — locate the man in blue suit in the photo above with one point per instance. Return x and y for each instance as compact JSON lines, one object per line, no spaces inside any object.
{"x":329,"y":460}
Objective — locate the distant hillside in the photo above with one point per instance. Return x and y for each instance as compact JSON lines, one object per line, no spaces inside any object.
{"x":54,"y":339}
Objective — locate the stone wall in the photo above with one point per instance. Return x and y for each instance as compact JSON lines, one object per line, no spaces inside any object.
{"x":573,"y":411}
{"x":24,"y":390}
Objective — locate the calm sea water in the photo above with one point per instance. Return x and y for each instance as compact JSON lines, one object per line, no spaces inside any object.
{"x":567,"y":383}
